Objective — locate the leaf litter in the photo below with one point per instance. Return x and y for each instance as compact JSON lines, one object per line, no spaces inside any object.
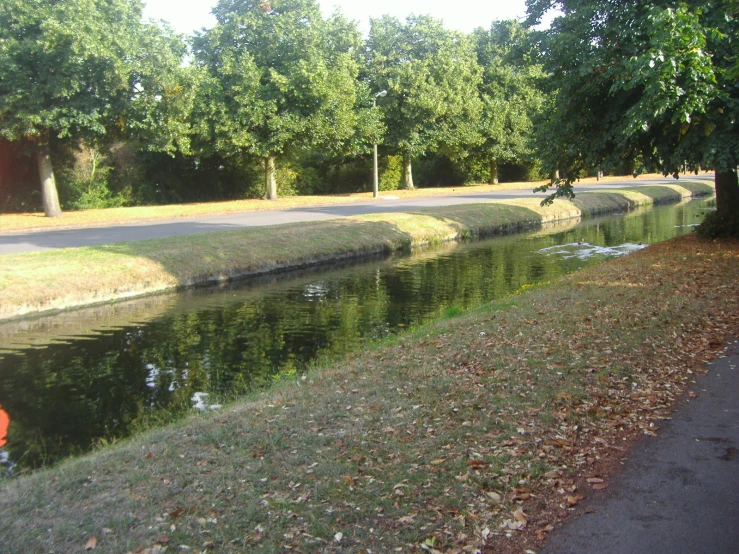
{"x":480,"y":433}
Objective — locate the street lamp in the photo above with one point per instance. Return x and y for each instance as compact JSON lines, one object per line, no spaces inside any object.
{"x":375,"y":178}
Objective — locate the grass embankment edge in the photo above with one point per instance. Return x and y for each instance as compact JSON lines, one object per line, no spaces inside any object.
{"x":477,"y":432}
{"x":39,"y":282}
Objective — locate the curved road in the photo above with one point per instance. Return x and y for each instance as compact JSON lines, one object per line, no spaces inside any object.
{"x":92,"y":236}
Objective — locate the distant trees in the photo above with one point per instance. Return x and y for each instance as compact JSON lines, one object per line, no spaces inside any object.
{"x":431,"y":75}
{"x":81,"y":69}
{"x":510,"y":92}
{"x":656,"y":80}
{"x":276,"y":77}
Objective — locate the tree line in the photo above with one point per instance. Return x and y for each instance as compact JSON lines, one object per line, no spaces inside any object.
{"x":274,"y":87}
{"x":276,"y":96}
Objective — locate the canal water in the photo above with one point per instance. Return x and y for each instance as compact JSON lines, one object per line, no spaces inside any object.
{"x":95,"y":375}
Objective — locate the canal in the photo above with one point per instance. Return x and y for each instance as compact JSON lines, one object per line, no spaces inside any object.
{"x":93,"y":376}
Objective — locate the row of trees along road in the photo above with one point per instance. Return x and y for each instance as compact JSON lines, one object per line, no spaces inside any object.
{"x":608,"y":84}
{"x":654,"y":80}
{"x":268,"y":80}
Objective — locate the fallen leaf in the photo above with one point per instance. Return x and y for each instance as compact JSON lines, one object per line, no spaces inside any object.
{"x":600,"y":486}
{"x":476,"y":463}
{"x":592,"y":480}
{"x":573,"y":500}
{"x":520,"y":517}
{"x":176,"y":513}
{"x":92,"y":542}
{"x":338,"y":536}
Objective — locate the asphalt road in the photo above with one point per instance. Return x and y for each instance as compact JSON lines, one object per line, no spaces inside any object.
{"x":92,"y":236}
{"x":679,"y":492}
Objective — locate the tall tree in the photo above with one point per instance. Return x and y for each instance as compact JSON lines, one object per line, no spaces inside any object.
{"x":277,"y":76}
{"x":77,"y":69}
{"x":510,"y":92}
{"x":656,"y":80}
{"x":431,"y":75}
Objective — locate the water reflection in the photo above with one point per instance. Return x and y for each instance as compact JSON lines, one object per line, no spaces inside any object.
{"x":73,"y":381}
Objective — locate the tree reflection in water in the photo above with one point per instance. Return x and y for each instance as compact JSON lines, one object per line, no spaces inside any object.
{"x":72,"y":392}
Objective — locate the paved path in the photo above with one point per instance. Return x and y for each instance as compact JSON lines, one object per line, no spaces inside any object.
{"x":678,"y":493}
{"x":53,"y":239}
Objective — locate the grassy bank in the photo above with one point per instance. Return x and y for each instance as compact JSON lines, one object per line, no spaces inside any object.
{"x":61,"y":279}
{"x":479,"y":431}
{"x":89,"y":218}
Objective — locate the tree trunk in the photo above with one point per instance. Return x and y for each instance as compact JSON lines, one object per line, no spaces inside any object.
{"x":631,"y":167}
{"x":407,"y":172}
{"x":48,"y":183}
{"x":493,"y":172}
{"x":727,"y":193}
{"x":269,"y":178}
{"x":555,"y":175}
{"x":599,"y":175}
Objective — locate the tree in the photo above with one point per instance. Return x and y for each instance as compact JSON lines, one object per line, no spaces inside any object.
{"x":510,"y":93}
{"x":431,"y":75}
{"x":277,"y":77}
{"x":78,"y":69}
{"x":655,"y":80}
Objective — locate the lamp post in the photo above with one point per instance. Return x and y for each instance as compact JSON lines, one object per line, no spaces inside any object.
{"x":375,"y":177}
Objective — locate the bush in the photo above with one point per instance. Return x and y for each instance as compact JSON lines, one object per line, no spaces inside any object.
{"x":715,"y":226}
{"x":391,"y":173}
{"x":84,"y":183}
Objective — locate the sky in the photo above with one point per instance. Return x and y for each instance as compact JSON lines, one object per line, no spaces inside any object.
{"x":186,"y":16}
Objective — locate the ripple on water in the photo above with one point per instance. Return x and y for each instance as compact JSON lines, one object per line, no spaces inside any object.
{"x":586,"y":251}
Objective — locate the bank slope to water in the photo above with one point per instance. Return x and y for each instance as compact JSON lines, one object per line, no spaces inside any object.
{"x":56,"y":280}
{"x":472,"y":432}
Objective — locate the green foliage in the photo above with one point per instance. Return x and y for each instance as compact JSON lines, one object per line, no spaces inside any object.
{"x":276,"y":77}
{"x":719,"y":226}
{"x":391,"y":173}
{"x":650,"y":80}
{"x":438,"y":170}
{"x":83,"y":68}
{"x":510,"y":91}
{"x":431,"y":75}
{"x":85,"y":183}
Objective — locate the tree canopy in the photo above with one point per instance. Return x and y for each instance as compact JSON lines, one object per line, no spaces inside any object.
{"x":277,"y":76}
{"x":655,"y":80}
{"x":431,"y":77}
{"x":80,"y":69}
{"x":510,"y":92}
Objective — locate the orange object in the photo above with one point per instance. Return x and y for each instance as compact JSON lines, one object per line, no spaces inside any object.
{"x":4,"y":424}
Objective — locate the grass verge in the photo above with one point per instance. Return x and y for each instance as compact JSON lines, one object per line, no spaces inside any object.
{"x":67,"y":278}
{"x":480,"y":431}
{"x":93,"y":218}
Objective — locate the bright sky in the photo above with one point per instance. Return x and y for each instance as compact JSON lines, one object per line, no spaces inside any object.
{"x":185,"y":16}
